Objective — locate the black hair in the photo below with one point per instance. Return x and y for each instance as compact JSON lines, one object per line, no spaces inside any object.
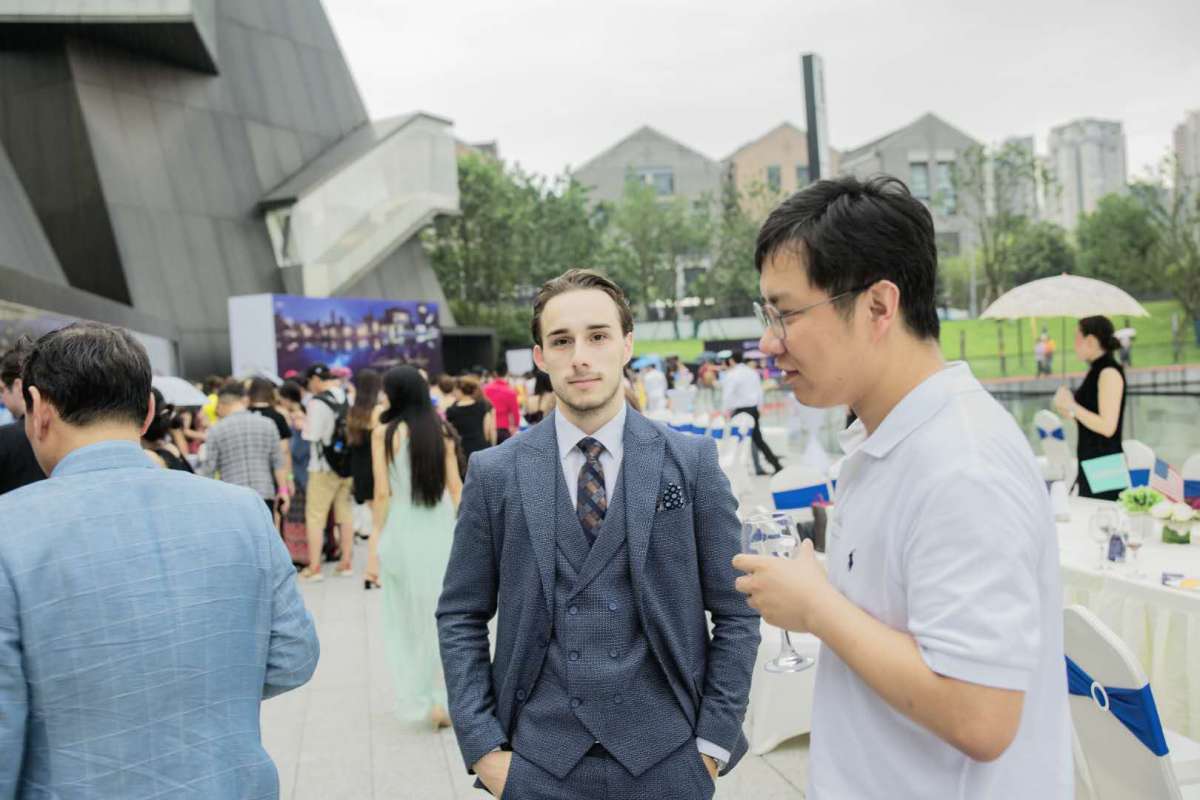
{"x":10,"y":362}
{"x":90,"y":372}
{"x":855,"y":234}
{"x":164,"y":416}
{"x":231,"y":390}
{"x":213,"y":383}
{"x":408,"y":402}
{"x":1102,"y":329}
{"x":261,"y":390}
{"x":737,"y":357}
{"x":292,"y":391}
{"x":541,"y":383}
{"x":501,"y":370}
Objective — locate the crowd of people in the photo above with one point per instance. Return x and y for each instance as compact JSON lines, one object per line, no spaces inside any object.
{"x":569,"y":594}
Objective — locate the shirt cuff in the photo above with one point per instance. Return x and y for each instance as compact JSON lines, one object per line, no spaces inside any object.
{"x":720,"y":754}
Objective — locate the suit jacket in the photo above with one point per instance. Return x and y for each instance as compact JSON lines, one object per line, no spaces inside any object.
{"x":503,"y":559}
{"x":144,"y":614}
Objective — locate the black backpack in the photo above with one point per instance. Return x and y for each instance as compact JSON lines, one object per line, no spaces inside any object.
{"x":337,"y":452}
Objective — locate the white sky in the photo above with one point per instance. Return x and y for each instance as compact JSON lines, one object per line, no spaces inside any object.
{"x":558,"y":81}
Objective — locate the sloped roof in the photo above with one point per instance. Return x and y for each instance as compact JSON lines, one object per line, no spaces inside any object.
{"x":752,"y":142}
{"x":645,"y":129}
{"x":856,"y":152}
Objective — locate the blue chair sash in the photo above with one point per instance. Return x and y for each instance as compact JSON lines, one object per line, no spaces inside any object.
{"x":1191,"y":489}
{"x":1139,"y":477}
{"x":803,"y":497}
{"x":1057,"y":433}
{"x":1133,"y":708}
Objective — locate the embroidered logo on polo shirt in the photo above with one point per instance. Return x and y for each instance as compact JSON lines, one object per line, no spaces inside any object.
{"x":850,"y":562}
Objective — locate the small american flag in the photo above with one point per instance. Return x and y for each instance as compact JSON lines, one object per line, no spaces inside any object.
{"x":1166,"y":481}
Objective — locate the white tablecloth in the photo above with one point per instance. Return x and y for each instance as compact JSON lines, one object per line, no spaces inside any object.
{"x":1160,"y":625}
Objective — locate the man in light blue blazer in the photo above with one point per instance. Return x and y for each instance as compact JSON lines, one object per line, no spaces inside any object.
{"x":144,"y":613}
{"x":601,"y":539}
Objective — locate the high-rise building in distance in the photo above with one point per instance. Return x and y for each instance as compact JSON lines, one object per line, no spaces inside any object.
{"x":1086,"y":162}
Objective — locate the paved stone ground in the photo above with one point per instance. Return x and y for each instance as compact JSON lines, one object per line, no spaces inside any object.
{"x":337,"y":738}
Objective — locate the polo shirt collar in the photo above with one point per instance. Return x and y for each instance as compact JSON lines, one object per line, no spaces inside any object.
{"x":611,"y":435}
{"x":916,"y":408}
{"x":116,"y":454}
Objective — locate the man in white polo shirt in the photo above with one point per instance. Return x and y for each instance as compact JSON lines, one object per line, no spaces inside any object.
{"x":941,"y":672}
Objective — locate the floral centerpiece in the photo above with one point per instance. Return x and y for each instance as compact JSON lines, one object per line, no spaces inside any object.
{"x":1177,"y":519}
{"x":1137,"y":503}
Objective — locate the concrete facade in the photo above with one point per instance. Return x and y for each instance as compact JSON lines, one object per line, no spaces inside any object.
{"x":1086,"y":161}
{"x":1187,"y":145}
{"x":147,"y":172}
{"x":673,"y":168}
{"x":923,"y":154}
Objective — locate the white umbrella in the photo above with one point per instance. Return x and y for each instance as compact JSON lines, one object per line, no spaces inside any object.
{"x":1064,"y":296}
{"x":178,"y":392}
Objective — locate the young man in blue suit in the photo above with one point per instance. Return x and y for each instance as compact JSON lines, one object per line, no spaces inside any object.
{"x":144,"y":613}
{"x":600,"y":539}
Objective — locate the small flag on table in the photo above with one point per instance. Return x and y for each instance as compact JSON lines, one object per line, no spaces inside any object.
{"x":1166,"y":481}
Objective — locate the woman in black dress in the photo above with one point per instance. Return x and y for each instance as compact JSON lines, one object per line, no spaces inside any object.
{"x":1098,"y":405}
{"x":472,"y":416}
{"x":362,"y":419}
{"x":542,"y":401}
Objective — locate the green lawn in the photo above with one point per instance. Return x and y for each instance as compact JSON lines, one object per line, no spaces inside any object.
{"x":1152,"y":346}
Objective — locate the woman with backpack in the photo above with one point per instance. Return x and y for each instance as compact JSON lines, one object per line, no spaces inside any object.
{"x":417,"y":490}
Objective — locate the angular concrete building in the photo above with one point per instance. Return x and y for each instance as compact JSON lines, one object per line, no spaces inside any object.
{"x":160,"y":156}
{"x":672,"y":168}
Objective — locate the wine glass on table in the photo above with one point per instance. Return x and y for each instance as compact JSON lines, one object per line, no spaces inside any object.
{"x":1135,"y":537}
{"x":1101,"y":526}
{"x":767,"y":536}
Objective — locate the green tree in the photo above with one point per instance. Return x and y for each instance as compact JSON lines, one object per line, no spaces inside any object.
{"x":1039,"y":250}
{"x":1174,"y":203}
{"x":730,"y":285}
{"x":989,"y":185}
{"x":649,"y":240}
{"x":1118,"y":243}
{"x":514,"y":231}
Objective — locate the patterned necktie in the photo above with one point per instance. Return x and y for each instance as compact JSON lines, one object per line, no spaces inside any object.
{"x":592,"y":501}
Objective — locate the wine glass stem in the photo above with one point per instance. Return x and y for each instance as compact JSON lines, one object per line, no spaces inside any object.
{"x":785,"y":647}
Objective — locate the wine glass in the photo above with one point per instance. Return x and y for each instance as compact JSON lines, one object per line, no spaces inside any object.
{"x":1135,"y":537}
{"x":768,"y":536}
{"x":1101,"y":526}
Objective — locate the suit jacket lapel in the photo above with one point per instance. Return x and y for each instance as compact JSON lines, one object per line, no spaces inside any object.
{"x":537,"y":458}
{"x":642,"y":469}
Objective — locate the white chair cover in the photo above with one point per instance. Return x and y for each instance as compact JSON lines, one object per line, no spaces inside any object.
{"x":1139,"y":459}
{"x":1058,"y":463}
{"x":1117,"y":765}
{"x":796,"y":488}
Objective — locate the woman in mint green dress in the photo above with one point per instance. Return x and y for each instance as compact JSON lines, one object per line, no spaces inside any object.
{"x":417,"y":489}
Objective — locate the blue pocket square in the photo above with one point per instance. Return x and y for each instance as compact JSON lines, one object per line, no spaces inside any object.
{"x":671,"y":498}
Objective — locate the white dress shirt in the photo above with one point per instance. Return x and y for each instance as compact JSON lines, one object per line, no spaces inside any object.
{"x":741,"y":388}
{"x":612,"y":435}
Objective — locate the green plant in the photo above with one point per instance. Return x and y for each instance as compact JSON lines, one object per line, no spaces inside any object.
{"x":1139,"y":500}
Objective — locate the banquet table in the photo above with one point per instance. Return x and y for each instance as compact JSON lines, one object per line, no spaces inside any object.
{"x":1161,"y":626}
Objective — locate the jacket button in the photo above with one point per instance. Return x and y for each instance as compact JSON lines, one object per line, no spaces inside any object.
{"x":576,"y":702}
{"x":520,"y":694}
{"x":573,"y":610}
{"x":574,"y":655}
{"x":612,"y":653}
{"x":618,"y":699}
{"x":612,"y":606}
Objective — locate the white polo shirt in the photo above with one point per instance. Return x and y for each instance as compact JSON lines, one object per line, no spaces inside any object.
{"x":943,"y":529}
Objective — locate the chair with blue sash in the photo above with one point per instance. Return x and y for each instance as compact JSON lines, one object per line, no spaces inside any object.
{"x":1191,"y":479}
{"x":1056,"y":461}
{"x":1123,"y":750}
{"x":700,"y":422}
{"x":1139,"y":458}
{"x":794,"y":489}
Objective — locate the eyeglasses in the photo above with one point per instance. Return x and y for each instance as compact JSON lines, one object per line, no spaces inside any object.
{"x":771,"y":318}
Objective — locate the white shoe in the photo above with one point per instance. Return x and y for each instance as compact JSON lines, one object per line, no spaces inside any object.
{"x":311,"y":576}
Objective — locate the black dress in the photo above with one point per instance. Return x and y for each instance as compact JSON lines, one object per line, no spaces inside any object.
{"x":468,"y":421}
{"x":361,"y":470}
{"x":171,"y":460}
{"x":1091,"y":444}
